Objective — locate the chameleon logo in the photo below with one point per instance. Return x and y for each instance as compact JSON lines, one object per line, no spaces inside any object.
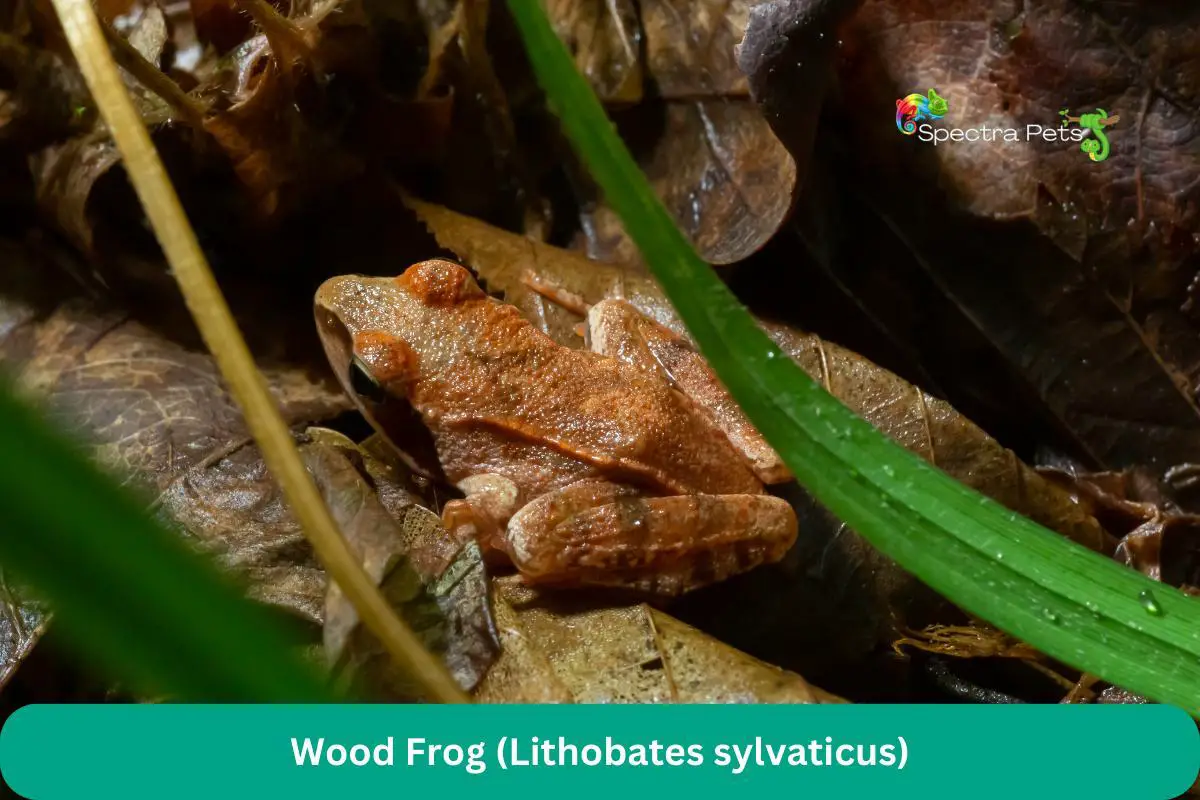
{"x":918,"y":107}
{"x":1097,"y":147}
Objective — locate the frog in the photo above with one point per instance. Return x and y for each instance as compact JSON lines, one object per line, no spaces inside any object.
{"x":623,"y":464}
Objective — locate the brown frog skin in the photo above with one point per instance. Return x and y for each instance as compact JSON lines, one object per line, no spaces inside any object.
{"x":585,"y":468}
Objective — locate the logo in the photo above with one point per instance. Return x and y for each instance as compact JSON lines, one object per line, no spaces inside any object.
{"x":917,"y":113}
{"x":1097,"y":147}
{"x":919,"y":108}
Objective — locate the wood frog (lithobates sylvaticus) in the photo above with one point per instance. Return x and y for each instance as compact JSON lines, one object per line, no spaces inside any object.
{"x":623,"y":465}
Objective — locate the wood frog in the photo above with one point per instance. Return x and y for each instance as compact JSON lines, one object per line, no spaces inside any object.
{"x":623,"y":465}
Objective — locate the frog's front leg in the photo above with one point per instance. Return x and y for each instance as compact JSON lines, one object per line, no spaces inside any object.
{"x":490,"y":502}
{"x":616,"y":328}
{"x":603,"y":534}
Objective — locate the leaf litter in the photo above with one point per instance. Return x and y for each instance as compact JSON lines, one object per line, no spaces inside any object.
{"x":416,"y":109}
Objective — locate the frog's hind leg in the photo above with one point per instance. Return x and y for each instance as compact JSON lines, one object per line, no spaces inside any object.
{"x":617,"y":329}
{"x":602,"y":534}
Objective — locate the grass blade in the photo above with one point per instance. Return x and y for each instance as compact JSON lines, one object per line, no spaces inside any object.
{"x":1070,"y":603}
{"x":129,"y":594}
{"x":248,"y":387}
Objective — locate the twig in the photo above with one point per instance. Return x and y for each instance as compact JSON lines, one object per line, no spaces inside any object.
{"x":246,"y":383}
{"x":284,"y":36}
{"x":153,"y":78}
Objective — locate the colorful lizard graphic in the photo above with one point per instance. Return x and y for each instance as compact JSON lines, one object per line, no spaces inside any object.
{"x":916,"y":107}
{"x":1097,"y":148}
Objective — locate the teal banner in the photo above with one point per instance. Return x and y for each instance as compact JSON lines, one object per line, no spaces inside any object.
{"x":198,"y":751}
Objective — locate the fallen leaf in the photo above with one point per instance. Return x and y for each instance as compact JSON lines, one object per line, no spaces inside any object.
{"x":156,"y":414}
{"x":151,"y":407}
{"x":447,"y":609}
{"x":723,"y":176}
{"x":1080,"y":272}
{"x":65,"y":176}
{"x":503,"y":260}
{"x":231,"y":507}
{"x":690,"y":45}
{"x":1158,"y":538}
{"x":563,"y":647}
{"x":23,"y":620}
{"x":605,"y":37}
{"x":788,"y":53}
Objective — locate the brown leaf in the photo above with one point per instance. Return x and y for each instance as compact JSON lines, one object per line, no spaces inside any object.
{"x":1133,"y":62}
{"x":1080,"y":271}
{"x":788,"y":54}
{"x":605,"y":36}
{"x":65,"y":175}
{"x":715,"y":162}
{"x":447,"y":609}
{"x":232,"y":508}
{"x":48,"y":99}
{"x":722,"y":175}
{"x":1158,"y":538}
{"x":690,"y":45}
{"x":152,"y":407}
{"x":689,"y":48}
{"x":156,"y":414}
{"x":23,"y":620}
{"x":567,"y":648}
{"x":503,"y":260}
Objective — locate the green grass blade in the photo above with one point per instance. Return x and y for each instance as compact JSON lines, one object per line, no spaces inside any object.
{"x":131,"y":597}
{"x":1063,"y":599}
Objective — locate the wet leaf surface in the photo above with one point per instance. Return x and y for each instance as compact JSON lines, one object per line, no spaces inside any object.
{"x":722,"y":174}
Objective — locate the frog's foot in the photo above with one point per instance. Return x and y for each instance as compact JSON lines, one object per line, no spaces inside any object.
{"x":602,"y":534}
{"x":490,"y":501}
{"x":619,"y":330}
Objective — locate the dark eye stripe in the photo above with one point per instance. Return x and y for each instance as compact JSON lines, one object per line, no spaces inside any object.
{"x":363,"y":382}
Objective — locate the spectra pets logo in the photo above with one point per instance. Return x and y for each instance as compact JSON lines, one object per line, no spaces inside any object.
{"x":917,"y":108}
{"x":1096,"y":148}
{"x":916,"y":113}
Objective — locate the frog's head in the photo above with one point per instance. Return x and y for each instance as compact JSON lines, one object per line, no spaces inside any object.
{"x":377,"y":325}
{"x":379,"y":334}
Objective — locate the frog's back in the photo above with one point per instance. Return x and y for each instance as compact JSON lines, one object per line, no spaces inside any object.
{"x":503,"y":379}
{"x":499,"y":395}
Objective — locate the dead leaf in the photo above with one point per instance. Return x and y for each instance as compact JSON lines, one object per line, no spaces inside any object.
{"x":447,"y":610}
{"x":23,"y":620}
{"x":157,"y":415}
{"x":605,"y":37}
{"x":1080,"y":272}
{"x":690,"y":45}
{"x":723,"y":176}
{"x":152,"y":407}
{"x":503,"y":260}
{"x":561,"y":647}
{"x":1158,"y":538}
{"x":788,"y":54}
{"x":232,"y":508}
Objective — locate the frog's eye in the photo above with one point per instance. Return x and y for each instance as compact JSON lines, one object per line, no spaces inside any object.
{"x":363,"y":382}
